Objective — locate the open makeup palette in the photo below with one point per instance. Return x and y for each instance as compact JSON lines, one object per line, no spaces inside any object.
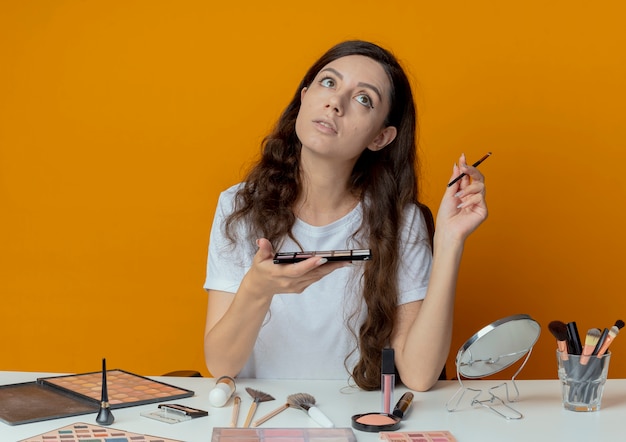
{"x":283,"y":435}
{"x":82,"y":432}
{"x":77,"y":394}
{"x":321,"y":435}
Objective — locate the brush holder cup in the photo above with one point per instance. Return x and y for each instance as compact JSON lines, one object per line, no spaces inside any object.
{"x":582,"y":380}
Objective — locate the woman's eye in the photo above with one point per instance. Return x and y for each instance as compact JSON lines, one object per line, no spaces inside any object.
{"x":327,"y":82}
{"x":365,"y":100}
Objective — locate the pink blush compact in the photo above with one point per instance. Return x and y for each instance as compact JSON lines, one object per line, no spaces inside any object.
{"x":374,"y":422}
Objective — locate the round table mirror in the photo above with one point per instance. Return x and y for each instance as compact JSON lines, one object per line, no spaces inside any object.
{"x":492,"y":349}
{"x":497,"y":346}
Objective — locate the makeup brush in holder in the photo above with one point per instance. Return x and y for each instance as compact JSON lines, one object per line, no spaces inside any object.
{"x":306,"y":402}
{"x":105,"y":417}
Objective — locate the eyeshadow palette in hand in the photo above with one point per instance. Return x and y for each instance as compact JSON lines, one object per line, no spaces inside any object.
{"x":330,"y":255}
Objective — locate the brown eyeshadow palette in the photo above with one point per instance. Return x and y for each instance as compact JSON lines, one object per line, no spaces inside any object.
{"x":330,"y":255}
{"x":77,"y":394}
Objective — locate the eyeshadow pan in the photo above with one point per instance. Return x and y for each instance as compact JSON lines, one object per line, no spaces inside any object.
{"x":238,"y":432}
{"x":343,"y":253}
{"x":282,"y":432}
{"x":360,"y":252}
{"x":323,"y":254}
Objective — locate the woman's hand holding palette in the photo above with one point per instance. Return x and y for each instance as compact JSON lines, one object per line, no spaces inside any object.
{"x":330,"y":255}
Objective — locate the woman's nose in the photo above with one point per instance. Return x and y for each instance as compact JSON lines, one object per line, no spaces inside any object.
{"x":335,"y":104}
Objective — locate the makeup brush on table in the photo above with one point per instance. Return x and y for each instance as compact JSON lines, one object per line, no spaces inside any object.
{"x":235,"y":414}
{"x":257,"y":396}
{"x":105,"y":417}
{"x":270,"y":415}
{"x":306,"y":402}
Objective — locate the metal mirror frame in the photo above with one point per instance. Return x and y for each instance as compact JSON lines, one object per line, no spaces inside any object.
{"x":492,"y":349}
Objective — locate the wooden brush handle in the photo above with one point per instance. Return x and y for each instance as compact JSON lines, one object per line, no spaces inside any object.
{"x":235,"y":415}
{"x":253,"y":406}
{"x":270,"y":415}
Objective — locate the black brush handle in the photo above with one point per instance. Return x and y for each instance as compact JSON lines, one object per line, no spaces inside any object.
{"x":603,"y":336}
{"x":574,"y":346}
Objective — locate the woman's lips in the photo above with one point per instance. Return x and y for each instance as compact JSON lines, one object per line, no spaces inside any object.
{"x":325,"y":126}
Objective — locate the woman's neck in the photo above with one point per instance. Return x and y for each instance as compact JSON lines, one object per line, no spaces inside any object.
{"x":325,"y":196}
{"x":318,"y":211}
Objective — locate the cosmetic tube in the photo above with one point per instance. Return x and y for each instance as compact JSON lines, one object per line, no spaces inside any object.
{"x":403,"y":404}
{"x":388,"y":379}
{"x":223,"y":390}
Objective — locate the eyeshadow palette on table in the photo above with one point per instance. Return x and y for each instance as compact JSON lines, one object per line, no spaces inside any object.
{"x":82,"y":432}
{"x":77,"y":394}
{"x":283,"y":435}
{"x":321,"y":435}
{"x":417,"y":436}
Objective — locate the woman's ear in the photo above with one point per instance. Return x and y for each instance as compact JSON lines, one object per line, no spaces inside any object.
{"x":302,"y":92}
{"x":386,"y":136}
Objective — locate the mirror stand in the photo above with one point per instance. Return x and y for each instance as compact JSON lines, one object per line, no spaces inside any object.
{"x":494,"y":348}
{"x":492,"y":399}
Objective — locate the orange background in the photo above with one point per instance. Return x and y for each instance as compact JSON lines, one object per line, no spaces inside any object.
{"x":121,"y":121}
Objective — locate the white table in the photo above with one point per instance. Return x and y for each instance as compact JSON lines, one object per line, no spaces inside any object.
{"x":539,"y":401}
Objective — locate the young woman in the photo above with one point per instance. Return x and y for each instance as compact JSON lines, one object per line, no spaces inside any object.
{"x":338,"y":172}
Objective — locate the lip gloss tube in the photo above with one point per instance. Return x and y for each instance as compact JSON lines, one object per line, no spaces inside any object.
{"x":388,"y":379}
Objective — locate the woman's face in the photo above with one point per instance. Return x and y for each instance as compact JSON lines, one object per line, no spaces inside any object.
{"x":344,"y":109}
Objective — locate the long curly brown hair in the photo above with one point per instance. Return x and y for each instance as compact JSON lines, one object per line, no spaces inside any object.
{"x":385,"y":180}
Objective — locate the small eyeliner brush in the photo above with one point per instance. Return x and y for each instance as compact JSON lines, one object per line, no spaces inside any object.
{"x":105,"y":417}
{"x":487,"y":155}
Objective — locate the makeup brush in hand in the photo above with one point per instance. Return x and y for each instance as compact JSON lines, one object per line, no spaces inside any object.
{"x":593,"y":334}
{"x":257,"y":396}
{"x":613,"y":332}
{"x":306,"y":402}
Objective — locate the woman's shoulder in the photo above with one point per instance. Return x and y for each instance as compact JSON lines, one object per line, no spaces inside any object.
{"x":232,"y":190}
{"x":228,"y":194}
{"x":417,"y":221}
{"x":415,"y":211}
